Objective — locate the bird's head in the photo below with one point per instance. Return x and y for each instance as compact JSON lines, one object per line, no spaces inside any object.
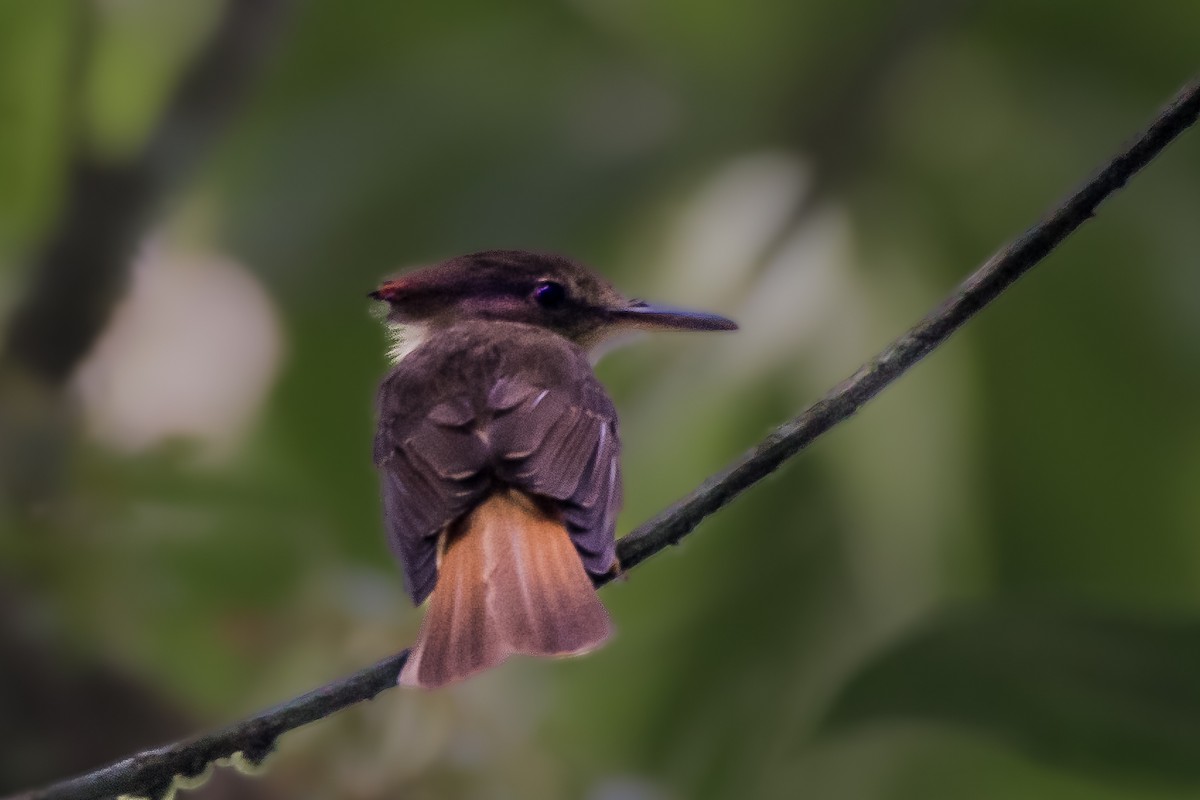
{"x":533,"y":288}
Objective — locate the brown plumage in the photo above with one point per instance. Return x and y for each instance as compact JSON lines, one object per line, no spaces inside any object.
{"x":510,"y":581}
{"x":499,"y":456}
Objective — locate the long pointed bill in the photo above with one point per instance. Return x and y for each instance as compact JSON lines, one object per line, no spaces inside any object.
{"x":647,"y":316}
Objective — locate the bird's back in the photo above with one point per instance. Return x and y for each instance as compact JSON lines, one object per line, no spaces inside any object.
{"x":499,"y":459}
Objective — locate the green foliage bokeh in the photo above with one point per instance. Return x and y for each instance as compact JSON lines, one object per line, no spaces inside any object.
{"x":1046,"y":459}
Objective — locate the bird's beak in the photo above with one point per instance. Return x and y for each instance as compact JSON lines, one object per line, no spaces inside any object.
{"x":654,"y":317}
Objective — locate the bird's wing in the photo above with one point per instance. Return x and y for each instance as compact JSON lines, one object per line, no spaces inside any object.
{"x":562,"y":444}
{"x":432,"y":471}
{"x":551,"y":433}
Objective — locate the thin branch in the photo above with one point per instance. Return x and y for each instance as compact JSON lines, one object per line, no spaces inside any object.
{"x":81,"y":271}
{"x":982,"y":287}
{"x":151,"y":773}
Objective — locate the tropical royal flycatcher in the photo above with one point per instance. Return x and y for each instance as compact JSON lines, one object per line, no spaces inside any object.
{"x":498,"y":453}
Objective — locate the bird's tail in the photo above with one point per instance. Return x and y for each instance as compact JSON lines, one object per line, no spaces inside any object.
{"x":510,"y":581}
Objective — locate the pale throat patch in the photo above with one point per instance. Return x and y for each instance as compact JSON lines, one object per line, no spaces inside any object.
{"x":613,"y":340}
{"x":404,"y":338}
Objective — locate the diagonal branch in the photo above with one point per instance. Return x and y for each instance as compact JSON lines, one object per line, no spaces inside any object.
{"x":980,"y":288}
{"x":152,"y":772}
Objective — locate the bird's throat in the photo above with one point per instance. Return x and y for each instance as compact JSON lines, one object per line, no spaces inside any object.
{"x":405,"y":337}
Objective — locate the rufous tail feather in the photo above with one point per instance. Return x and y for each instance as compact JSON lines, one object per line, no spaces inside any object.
{"x":510,"y":581}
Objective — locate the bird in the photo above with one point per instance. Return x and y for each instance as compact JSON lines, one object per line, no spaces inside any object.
{"x":498,"y":454}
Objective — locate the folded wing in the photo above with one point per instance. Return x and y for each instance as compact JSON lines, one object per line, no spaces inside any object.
{"x":550,"y":431}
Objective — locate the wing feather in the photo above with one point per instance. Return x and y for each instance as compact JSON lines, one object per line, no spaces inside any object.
{"x":525,"y":411}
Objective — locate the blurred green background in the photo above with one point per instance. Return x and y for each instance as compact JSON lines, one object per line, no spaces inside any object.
{"x":985,"y":585}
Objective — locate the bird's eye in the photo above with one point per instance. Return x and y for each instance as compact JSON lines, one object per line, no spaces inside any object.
{"x":549,"y":294}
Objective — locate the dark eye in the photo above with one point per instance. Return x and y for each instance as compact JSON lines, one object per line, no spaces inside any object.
{"x":549,"y":294}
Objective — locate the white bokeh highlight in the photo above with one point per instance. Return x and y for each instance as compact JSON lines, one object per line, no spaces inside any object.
{"x":190,"y":354}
